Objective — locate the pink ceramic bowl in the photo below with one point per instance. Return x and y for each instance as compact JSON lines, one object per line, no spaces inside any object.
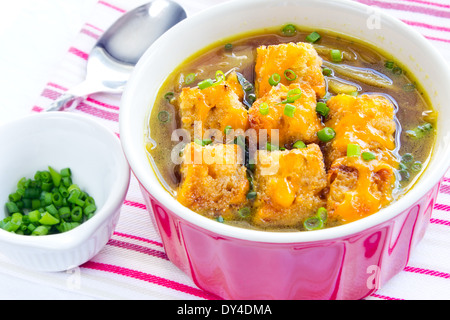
{"x":345,"y":262}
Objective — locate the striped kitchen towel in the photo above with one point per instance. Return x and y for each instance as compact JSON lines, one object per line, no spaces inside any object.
{"x":133,"y":264}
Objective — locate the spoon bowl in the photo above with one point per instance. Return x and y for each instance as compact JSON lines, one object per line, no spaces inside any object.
{"x":115,"y":54}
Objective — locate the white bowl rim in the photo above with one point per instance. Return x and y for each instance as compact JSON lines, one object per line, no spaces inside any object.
{"x":76,"y":236}
{"x":432,"y":177}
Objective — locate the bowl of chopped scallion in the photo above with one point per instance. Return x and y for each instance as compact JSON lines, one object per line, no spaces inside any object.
{"x":64,"y":179}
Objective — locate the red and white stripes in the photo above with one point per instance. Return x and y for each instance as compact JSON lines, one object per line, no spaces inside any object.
{"x":135,"y":239}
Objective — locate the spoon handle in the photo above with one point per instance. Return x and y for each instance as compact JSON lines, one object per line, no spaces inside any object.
{"x":72,"y":97}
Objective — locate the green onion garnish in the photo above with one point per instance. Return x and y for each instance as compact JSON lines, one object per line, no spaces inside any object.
{"x":189,"y":78}
{"x":327,"y":71}
{"x":271,"y":147}
{"x":416,"y":166}
{"x":293,"y":95}
{"x":205,"y":84}
{"x":289,"y":110}
{"x":290,"y":75}
{"x":228,"y":46}
{"x":367,"y":156}
{"x":169,"y":96}
{"x":407,"y":157}
{"x":389,"y":64}
{"x":203,"y":142}
{"x":326,"y":134}
{"x":353,"y":150}
{"x":264,"y":108}
{"x":313,"y":37}
{"x":336,"y":55}
{"x":251,"y":195}
{"x":244,"y":212}
{"x":289,"y":30}
{"x":227,"y":129}
{"x":48,"y":204}
{"x":322,"y":109}
{"x":322,"y":214}
{"x":299,"y":145}
{"x":163,"y":116}
{"x":397,"y":71}
{"x":313,"y":223}
{"x":274,"y":79}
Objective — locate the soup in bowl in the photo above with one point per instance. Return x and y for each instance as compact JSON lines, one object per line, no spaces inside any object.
{"x":282,"y":154}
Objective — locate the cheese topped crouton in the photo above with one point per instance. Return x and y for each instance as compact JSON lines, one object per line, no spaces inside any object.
{"x":358,"y":188}
{"x":366,"y":120}
{"x":215,"y":107}
{"x":302,"y":124}
{"x":213,"y":179}
{"x":289,"y":185}
{"x":300,"y":57}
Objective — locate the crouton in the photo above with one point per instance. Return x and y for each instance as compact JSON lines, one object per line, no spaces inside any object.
{"x":366,"y":120}
{"x":289,"y":185}
{"x":358,"y":188}
{"x":303,"y":124}
{"x":213,"y":179}
{"x":300,"y":57}
{"x":215,"y":107}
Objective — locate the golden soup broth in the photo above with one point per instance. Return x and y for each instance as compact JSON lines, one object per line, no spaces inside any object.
{"x":412,"y":106}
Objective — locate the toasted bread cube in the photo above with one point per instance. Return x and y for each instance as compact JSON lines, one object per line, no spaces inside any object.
{"x":304,"y":123}
{"x":358,"y":188}
{"x":215,"y":107}
{"x":289,"y":186}
{"x":213,"y":179}
{"x":300,"y":57}
{"x":366,"y":120}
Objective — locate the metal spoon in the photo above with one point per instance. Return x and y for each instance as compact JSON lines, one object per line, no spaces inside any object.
{"x":114,"y":56}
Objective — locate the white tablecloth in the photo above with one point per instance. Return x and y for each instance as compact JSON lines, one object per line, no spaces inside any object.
{"x":35,"y":36}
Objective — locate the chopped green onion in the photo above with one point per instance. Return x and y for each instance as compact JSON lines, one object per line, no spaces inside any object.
{"x":416,"y":166}
{"x":289,"y":110}
{"x":397,"y":71}
{"x":169,"y":96}
{"x":190,"y":78}
{"x":251,"y":195}
{"x":271,"y":147}
{"x":220,"y":76}
{"x":205,"y":84}
{"x":407,"y":157}
{"x":326,"y":134}
{"x":389,"y":64}
{"x":290,"y":75}
{"x":293,"y":95}
{"x":264,"y":108}
{"x":289,"y":30}
{"x":299,"y":145}
{"x":367,"y":156}
{"x":274,"y":79}
{"x":163,"y":116}
{"x":227,"y":129}
{"x":420,"y":131}
{"x":43,"y":205}
{"x":203,"y":142}
{"x":336,"y":55}
{"x":313,"y":37}
{"x":322,"y":109}
{"x":404,"y":175}
{"x":251,"y":97}
{"x":228,"y":47}
{"x":244,"y":212}
{"x":353,"y":150}
{"x":327,"y":71}
{"x":322,"y":214}
{"x":313,"y":223}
